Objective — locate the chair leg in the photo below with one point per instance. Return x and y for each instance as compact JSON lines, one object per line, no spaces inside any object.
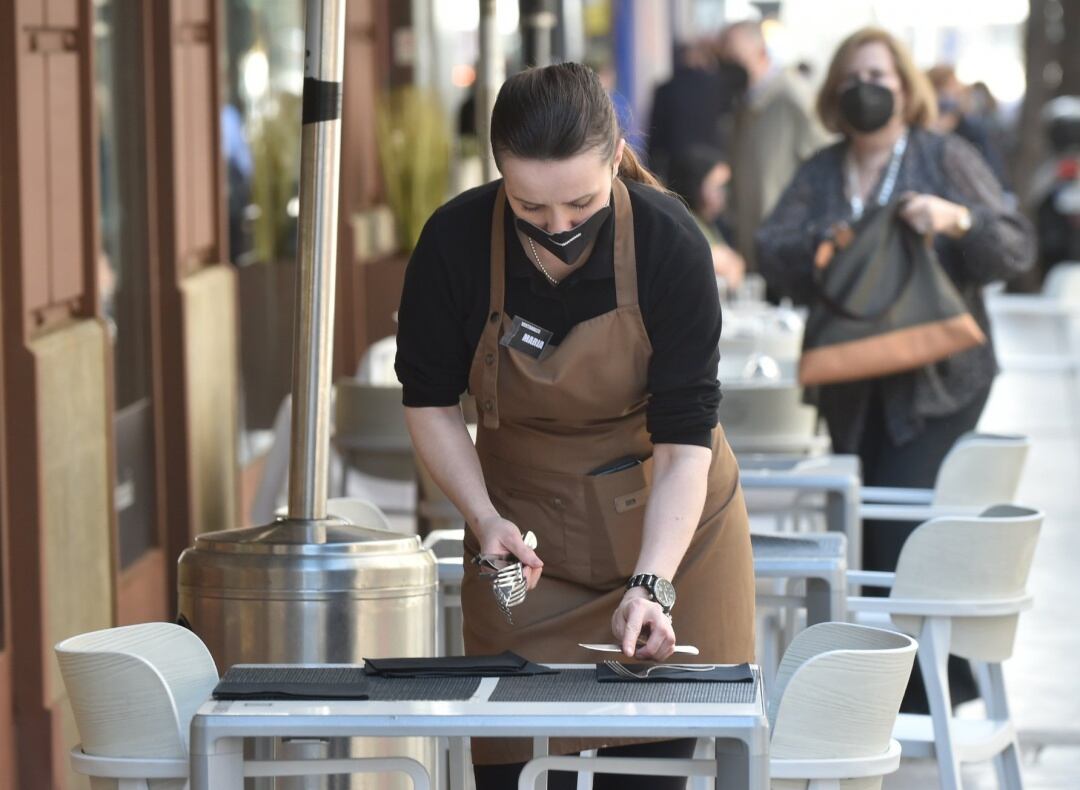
{"x":933,"y":658}
{"x":1007,"y":762}
{"x":585,"y":778}
{"x":1007,"y":767}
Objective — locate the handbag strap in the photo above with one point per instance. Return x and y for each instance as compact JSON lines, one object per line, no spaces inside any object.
{"x":818,"y":280}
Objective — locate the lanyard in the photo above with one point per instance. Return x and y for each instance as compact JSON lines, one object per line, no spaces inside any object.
{"x":888,"y":183}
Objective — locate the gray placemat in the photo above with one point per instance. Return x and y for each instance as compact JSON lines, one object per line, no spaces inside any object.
{"x":580,"y":685}
{"x":804,"y":547}
{"x":405,"y":689}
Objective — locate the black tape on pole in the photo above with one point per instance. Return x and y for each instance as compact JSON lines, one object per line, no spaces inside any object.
{"x":322,"y":100}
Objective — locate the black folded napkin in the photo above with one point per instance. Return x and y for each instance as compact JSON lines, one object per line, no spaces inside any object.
{"x":256,"y":681}
{"x":503,"y":665}
{"x":731,"y":673}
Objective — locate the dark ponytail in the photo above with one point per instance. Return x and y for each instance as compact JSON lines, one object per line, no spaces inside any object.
{"x":557,"y":112}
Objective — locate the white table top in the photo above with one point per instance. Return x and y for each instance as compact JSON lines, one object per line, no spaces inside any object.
{"x":475,"y":716}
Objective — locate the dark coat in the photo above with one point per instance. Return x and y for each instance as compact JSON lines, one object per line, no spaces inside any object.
{"x":999,"y":245}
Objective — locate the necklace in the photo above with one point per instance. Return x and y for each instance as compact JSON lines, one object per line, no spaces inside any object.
{"x":550,"y":279}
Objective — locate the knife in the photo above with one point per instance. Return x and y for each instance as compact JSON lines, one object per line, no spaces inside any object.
{"x":610,"y":648}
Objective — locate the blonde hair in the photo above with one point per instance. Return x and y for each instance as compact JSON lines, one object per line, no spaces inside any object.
{"x":920,"y":107}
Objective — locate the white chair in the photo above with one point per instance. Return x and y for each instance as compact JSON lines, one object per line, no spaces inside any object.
{"x":376,"y":366}
{"x":833,"y":707}
{"x":134,"y":691}
{"x":960,"y":587}
{"x":370,"y":431}
{"x":275,"y":472}
{"x":360,"y":512}
{"x":979,"y":471}
{"x":769,"y":417}
{"x":832,"y":711}
{"x":1025,"y":325}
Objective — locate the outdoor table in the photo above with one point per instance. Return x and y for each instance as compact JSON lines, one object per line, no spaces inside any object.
{"x":837,"y":477}
{"x":570,"y":704}
{"x":819,"y":559}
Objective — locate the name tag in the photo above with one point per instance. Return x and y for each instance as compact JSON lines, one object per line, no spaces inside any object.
{"x":527,"y":337}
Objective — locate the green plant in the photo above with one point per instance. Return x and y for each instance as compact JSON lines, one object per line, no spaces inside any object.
{"x":414,"y":152}
{"x":275,"y":151}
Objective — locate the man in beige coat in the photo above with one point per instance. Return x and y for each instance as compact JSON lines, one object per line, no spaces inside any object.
{"x":775,"y":131}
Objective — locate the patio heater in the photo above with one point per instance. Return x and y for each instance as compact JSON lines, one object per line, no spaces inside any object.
{"x":311,"y":587}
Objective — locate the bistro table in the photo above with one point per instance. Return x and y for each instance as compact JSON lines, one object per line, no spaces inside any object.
{"x":837,"y":477}
{"x":571,"y":703}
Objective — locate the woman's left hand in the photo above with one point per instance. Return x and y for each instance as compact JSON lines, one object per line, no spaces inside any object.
{"x":930,"y":214}
{"x":639,"y":617}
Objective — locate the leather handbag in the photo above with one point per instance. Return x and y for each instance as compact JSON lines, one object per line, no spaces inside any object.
{"x":883,"y":305}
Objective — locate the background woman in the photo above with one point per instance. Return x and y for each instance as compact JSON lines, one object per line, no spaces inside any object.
{"x":901,"y":426}
{"x":700,"y":176}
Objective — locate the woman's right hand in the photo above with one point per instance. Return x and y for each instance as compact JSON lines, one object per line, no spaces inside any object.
{"x":497,"y":535}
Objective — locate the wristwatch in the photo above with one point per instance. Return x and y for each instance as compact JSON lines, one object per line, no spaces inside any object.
{"x":660,"y":589}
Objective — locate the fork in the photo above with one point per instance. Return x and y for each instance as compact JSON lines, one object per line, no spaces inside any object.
{"x":508,"y":581}
{"x":624,"y":671}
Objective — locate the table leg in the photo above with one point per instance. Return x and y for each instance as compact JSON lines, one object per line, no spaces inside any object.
{"x":758,"y":769}
{"x":459,"y":768}
{"x":842,"y":515}
{"x":743,"y":764}
{"x":541,"y":748}
{"x":220,"y":768}
{"x":819,"y":603}
{"x":732,"y":764}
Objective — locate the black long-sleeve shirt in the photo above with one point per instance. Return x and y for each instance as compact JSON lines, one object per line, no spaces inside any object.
{"x":998,"y":246}
{"x":444,"y":305}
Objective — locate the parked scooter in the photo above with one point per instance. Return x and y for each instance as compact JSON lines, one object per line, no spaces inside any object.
{"x":1054,"y":199}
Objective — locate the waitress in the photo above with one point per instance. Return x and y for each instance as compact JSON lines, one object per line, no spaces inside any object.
{"x":575,"y":299}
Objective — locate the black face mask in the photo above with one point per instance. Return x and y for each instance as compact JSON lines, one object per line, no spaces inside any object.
{"x":866,"y":107}
{"x":568,"y":245}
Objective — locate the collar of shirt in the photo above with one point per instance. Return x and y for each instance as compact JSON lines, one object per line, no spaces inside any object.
{"x":599,"y":266}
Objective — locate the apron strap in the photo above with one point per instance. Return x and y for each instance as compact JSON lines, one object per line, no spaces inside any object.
{"x":487,"y":400}
{"x":626,"y":284}
{"x":626,"y":291}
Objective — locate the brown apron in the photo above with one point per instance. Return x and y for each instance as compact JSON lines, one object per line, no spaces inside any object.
{"x":544,"y":425}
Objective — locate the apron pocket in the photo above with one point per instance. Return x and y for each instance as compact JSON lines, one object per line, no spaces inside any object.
{"x":540,"y":511}
{"x":616,"y":506}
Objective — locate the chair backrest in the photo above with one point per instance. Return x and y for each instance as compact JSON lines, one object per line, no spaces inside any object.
{"x":376,"y":366}
{"x":837,"y":692}
{"x":973,"y":558}
{"x":375,"y":416}
{"x":135,"y":689}
{"x":360,"y":512}
{"x":981,"y":470}
{"x":1063,"y":282}
{"x":761,"y":411}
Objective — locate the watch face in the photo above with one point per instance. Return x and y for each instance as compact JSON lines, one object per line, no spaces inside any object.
{"x":664,"y":593}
